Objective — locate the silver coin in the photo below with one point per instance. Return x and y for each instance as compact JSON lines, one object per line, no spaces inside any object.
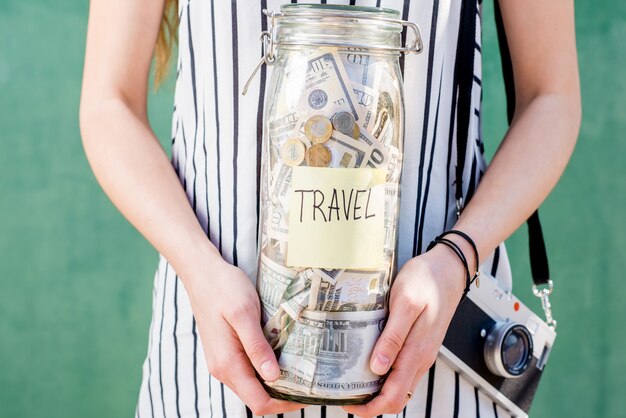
{"x":344,"y":122}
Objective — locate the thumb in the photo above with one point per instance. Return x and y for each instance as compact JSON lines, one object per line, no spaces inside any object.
{"x":390,"y":342}
{"x":257,"y":348}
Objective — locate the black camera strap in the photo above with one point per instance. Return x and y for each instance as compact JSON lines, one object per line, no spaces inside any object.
{"x":464,"y":76}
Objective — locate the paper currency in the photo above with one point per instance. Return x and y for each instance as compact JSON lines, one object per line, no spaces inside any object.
{"x":327,"y":354}
{"x":273,"y":282}
{"x":351,"y":292}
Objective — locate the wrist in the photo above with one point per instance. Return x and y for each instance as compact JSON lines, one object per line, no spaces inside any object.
{"x":467,"y":250}
{"x":200,"y":262}
{"x":451,"y":270}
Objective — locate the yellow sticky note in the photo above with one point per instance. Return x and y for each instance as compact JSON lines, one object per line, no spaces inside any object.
{"x":336,"y":218}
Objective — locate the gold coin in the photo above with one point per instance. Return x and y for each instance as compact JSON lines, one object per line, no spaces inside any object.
{"x":318,"y":129}
{"x":356,"y":132}
{"x":318,"y":155}
{"x":292,"y":152}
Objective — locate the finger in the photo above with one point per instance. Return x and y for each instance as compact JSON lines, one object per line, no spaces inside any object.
{"x":417,"y":355}
{"x":422,"y":345}
{"x":241,"y":379}
{"x":256,"y":347}
{"x":402,"y":314}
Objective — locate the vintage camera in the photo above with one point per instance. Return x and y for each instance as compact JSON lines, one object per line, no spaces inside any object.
{"x":499,"y":344}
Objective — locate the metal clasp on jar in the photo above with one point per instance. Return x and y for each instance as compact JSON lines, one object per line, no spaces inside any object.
{"x":269,"y":44}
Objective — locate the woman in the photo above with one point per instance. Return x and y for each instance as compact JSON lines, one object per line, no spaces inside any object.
{"x":199,"y":210}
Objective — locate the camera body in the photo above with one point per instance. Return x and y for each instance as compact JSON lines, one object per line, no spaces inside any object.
{"x":499,"y":344}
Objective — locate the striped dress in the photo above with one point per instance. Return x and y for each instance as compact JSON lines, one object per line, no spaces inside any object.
{"x":215,"y":151}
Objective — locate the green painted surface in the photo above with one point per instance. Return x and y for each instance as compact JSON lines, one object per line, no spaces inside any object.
{"x":76,"y":278}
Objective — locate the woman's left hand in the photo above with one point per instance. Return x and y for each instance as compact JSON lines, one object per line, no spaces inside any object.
{"x":424,"y":297}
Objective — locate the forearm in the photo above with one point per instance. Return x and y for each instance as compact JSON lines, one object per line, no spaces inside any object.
{"x":526,"y":167}
{"x":134,"y":171}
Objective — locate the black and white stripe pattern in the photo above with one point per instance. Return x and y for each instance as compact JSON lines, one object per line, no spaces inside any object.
{"x":216,"y":138}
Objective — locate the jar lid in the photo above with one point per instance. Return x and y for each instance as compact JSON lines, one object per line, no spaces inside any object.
{"x":325,"y":8}
{"x":371,"y":29}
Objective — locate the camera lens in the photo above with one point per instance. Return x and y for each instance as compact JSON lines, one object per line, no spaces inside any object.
{"x":508,"y":349}
{"x":515,"y":351}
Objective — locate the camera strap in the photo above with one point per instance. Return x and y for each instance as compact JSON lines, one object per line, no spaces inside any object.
{"x":464,"y":79}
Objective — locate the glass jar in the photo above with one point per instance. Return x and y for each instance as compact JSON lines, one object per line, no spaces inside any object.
{"x":330,"y":174}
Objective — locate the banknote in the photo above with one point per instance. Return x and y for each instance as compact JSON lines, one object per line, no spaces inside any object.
{"x":352,"y":291}
{"x":327,"y":354}
{"x":360,"y":67}
{"x":330,"y":275}
{"x":343,"y":363}
{"x":281,"y":185}
{"x":301,"y":282}
{"x":391,"y":215}
{"x":367,"y":101}
{"x":294,"y":305}
{"x":282,"y":128}
{"x":279,"y":223}
{"x":376,"y":155}
{"x":273,"y":282}
{"x":299,"y":356}
{"x":277,"y":329}
{"x":327,"y":87}
{"x":394,"y":167}
{"x":341,"y":145}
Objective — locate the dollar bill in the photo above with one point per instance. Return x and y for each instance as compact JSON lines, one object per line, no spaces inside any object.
{"x":282,"y":128}
{"x":377,"y":155}
{"x":394,"y":167}
{"x":294,"y":305}
{"x":367,"y":100}
{"x":274,"y":250}
{"x":391,"y":216}
{"x":327,"y":354}
{"x":352,"y":291}
{"x":277,"y":328}
{"x":361,"y":68}
{"x":347,"y":152}
{"x":343,"y":364}
{"x":357,"y":64}
{"x":279,"y":223}
{"x":330,"y":275}
{"x":273,"y":281}
{"x":301,"y":282}
{"x":299,"y":355}
{"x":281,"y":185}
{"x":327,"y":88}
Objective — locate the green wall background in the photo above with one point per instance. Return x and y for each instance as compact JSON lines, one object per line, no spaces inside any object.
{"x":76,"y":278}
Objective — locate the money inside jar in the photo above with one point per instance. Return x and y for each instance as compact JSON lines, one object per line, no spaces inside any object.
{"x":331,"y":166}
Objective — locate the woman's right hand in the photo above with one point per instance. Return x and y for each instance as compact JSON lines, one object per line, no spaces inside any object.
{"x":228,"y":314}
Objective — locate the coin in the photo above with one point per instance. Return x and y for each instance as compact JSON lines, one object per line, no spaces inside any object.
{"x":292,"y":152}
{"x":344,"y":122}
{"x":356,"y":132}
{"x":318,"y":155}
{"x":318,"y":129}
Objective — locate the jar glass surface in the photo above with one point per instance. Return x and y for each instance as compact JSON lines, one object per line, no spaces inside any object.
{"x":330,"y":173}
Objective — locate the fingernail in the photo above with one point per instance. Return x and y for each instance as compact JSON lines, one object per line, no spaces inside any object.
{"x":269,"y":371}
{"x":380,"y":365}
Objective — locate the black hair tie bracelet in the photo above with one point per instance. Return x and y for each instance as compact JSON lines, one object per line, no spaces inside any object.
{"x":457,"y":250}
{"x":459,"y":253}
{"x":471,"y":242}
